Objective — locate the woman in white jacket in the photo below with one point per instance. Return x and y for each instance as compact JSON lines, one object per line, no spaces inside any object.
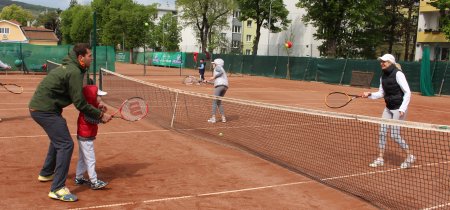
{"x":220,"y":88}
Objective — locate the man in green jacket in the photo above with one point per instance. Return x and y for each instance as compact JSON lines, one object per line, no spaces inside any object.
{"x":60,"y":88}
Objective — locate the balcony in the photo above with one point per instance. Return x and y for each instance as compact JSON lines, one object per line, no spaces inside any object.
{"x":429,"y":35}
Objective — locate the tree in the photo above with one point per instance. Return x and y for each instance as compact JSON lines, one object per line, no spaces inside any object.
{"x":410,"y":26}
{"x":444,"y":20}
{"x":76,"y":24}
{"x":167,"y":34}
{"x":15,"y":12}
{"x":50,"y":20}
{"x":73,"y":3}
{"x":204,"y":15}
{"x":347,"y":27}
{"x":260,"y":10}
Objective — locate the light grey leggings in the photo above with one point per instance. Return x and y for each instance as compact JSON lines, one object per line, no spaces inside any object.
{"x":395,"y":130}
{"x":219,"y":91}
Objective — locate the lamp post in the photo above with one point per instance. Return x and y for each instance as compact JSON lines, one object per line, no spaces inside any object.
{"x":268,"y":27}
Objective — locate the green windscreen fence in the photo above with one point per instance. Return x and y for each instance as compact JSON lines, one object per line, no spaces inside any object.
{"x":334,"y":71}
{"x":29,"y":57}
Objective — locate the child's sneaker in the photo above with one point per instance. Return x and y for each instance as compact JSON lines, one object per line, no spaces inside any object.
{"x":377,"y":162}
{"x":408,"y":162}
{"x":63,"y":194}
{"x":81,"y":181}
{"x":99,"y":184}
{"x":224,"y":119}
{"x":45,"y":178}
{"x":212,"y":120}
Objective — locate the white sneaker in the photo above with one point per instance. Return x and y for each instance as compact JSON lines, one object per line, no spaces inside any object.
{"x":408,"y":162}
{"x":212,"y":120}
{"x":101,"y":93}
{"x":377,"y":162}
{"x":224,"y":119}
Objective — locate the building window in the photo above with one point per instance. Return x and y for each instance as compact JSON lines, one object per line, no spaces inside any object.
{"x":223,"y":35}
{"x":236,"y":14}
{"x":248,"y":52}
{"x":249,"y":38}
{"x":235,"y":44}
{"x":236,"y":29}
{"x":4,"y":30}
{"x":249,"y":23}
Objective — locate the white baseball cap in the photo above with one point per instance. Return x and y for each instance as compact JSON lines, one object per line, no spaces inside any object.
{"x":218,"y":62}
{"x":387,"y":57}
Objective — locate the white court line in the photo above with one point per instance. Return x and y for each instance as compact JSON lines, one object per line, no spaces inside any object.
{"x":195,"y":196}
{"x":238,"y":190}
{"x":74,"y":134}
{"x":437,"y":207}
{"x":258,"y":188}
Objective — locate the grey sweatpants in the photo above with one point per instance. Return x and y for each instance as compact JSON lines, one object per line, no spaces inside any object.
{"x":395,"y":130}
{"x":219,"y":91}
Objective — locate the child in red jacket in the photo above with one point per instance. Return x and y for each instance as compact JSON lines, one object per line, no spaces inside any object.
{"x":86,"y":133}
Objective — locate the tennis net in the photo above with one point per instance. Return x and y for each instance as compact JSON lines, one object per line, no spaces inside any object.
{"x":332,"y":148}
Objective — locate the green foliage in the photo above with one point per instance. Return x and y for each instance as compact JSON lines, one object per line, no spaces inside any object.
{"x":124,"y":21}
{"x":260,"y":10}
{"x":76,"y":24}
{"x":167,"y":34}
{"x":15,"y":12}
{"x":50,"y":20}
{"x":34,"y":9}
{"x":204,"y":15}
{"x":348,"y":28}
{"x":444,"y":7}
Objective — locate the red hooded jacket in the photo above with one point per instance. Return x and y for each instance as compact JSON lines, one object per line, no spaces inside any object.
{"x":86,"y":129}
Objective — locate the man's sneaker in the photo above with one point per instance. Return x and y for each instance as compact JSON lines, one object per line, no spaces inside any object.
{"x":224,"y":119}
{"x":99,"y":184}
{"x":212,"y":120}
{"x":63,"y":194}
{"x":81,"y":181}
{"x":377,"y":162}
{"x":45,"y":178}
{"x":408,"y":162}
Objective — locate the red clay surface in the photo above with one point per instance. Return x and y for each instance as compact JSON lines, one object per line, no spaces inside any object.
{"x":152,"y":168}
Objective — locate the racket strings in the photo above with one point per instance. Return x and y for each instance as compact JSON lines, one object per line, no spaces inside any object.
{"x":134,"y":109}
{"x":13,"y":88}
{"x":336,"y":100}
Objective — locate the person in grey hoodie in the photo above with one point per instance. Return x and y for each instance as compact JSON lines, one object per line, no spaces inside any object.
{"x":220,"y":88}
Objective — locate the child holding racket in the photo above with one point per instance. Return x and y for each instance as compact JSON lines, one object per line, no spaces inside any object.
{"x":86,"y":133}
{"x":220,"y":88}
{"x":396,"y":93}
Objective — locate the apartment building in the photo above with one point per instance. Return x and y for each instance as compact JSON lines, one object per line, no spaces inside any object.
{"x":429,"y":33}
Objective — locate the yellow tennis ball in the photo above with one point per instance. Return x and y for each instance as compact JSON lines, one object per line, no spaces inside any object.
{"x":220,"y":134}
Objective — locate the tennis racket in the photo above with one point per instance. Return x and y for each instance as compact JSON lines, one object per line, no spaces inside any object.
{"x":13,"y":88}
{"x":132,"y":109}
{"x":339,"y":99}
{"x":189,"y":80}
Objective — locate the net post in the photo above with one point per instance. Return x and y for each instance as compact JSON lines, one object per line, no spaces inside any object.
{"x":174,"y":110}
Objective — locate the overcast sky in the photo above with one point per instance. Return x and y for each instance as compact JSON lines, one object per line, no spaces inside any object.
{"x":63,"y":4}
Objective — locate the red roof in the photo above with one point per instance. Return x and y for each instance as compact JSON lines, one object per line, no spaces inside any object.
{"x":15,"y":22}
{"x":39,"y":33}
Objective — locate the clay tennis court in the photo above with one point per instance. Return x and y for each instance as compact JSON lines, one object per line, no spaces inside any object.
{"x":149,"y":167}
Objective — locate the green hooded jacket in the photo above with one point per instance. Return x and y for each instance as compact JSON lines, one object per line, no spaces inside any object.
{"x":62,"y":87}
